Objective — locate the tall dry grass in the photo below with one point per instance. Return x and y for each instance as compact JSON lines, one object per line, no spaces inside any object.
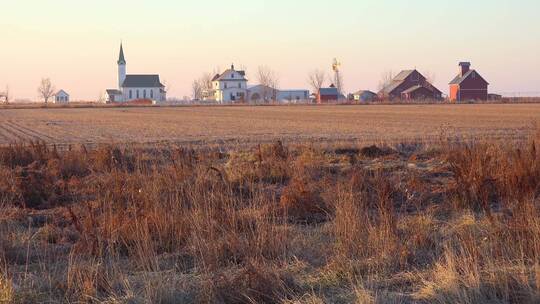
{"x":455,"y":223}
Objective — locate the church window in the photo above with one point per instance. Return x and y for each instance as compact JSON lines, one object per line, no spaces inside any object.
{"x":151,"y":93}
{"x":137,"y":94}
{"x":130,"y":94}
{"x":144,"y":93}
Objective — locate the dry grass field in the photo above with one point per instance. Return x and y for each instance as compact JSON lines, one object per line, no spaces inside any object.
{"x":233,"y":125}
{"x":422,"y":218}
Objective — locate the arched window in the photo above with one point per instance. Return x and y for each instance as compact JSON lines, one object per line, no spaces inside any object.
{"x":130,"y":94}
{"x":144,"y":93}
{"x":151,"y":93}
{"x":137,"y":94}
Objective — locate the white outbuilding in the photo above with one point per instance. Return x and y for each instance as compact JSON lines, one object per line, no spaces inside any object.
{"x":265,"y":94}
{"x":61,"y":97}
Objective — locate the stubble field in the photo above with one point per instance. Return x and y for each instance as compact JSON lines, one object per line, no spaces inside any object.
{"x":234,"y":125}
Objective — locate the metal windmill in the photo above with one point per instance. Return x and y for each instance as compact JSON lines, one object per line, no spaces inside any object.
{"x":336,"y":66}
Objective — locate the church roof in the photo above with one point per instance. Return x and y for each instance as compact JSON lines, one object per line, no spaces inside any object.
{"x":142,"y":81}
{"x":114,"y":92}
{"x":121,"y":59}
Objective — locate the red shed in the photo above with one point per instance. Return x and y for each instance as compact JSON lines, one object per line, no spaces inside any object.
{"x":468,"y":85}
{"x":328,"y":94}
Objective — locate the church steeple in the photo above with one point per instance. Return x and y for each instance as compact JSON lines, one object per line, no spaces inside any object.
{"x":121,"y":68}
{"x":121,"y":59}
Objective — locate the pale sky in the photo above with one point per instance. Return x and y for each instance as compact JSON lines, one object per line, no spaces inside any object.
{"x":75,"y":43}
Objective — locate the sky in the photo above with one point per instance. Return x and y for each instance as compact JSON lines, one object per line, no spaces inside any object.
{"x":75,"y":43}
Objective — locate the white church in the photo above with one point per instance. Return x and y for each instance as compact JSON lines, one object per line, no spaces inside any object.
{"x":135,"y":87}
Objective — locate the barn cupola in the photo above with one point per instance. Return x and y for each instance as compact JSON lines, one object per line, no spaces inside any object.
{"x":464,"y":67}
{"x":121,"y":67}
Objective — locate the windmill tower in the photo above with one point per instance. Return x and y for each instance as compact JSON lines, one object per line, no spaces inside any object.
{"x":336,"y":66}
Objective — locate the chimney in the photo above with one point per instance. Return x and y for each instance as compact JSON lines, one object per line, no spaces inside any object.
{"x":464,"y":68}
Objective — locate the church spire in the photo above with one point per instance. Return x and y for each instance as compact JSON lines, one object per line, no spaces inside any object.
{"x":121,"y":59}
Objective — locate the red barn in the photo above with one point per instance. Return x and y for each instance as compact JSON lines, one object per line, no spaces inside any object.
{"x":328,"y":94}
{"x":409,"y":84}
{"x":468,"y":85}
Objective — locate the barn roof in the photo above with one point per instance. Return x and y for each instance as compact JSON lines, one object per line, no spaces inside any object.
{"x":328,"y":91}
{"x":416,"y":87}
{"x":365,"y":92}
{"x":403,"y":75}
{"x":459,"y":79}
{"x":142,"y":81}
{"x":396,"y":81}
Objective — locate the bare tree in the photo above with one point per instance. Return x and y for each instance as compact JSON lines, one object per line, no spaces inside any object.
{"x":316,"y":80}
{"x":206,"y":82}
{"x":101,"y":97}
{"x":46,"y":89}
{"x":202,"y":87}
{"x":197,"y":89}
{"x":269,"y":79}
{"x":386,"y":79}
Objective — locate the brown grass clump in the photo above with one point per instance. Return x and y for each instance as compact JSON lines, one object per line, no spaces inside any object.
{"x":456,"y":223}
{"x":6,"y":290}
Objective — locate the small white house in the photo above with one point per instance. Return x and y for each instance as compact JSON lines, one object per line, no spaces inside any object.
{"x":229,"y":87}
{"x":61,"y":97}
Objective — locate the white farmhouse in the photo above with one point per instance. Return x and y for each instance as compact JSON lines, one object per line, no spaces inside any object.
{"x":135,"y":87}
{"x":61,"y":97}
{"x":229,"y":87}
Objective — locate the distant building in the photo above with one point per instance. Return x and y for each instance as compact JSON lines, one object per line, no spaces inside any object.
{"x":3,"y":97}
{"x":262,"y":94}
{"x":292,"y":96}
{"x":468,"y":85}
{"x":409,"y":84}
{"x":364,"y":96}
{"x":228,"y":87}
{"x":265,"y":94}
{"x":135,"y":87}
{"x":494,"y":96}
{"x":328,"y":94}
{"x":61,"y":97}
